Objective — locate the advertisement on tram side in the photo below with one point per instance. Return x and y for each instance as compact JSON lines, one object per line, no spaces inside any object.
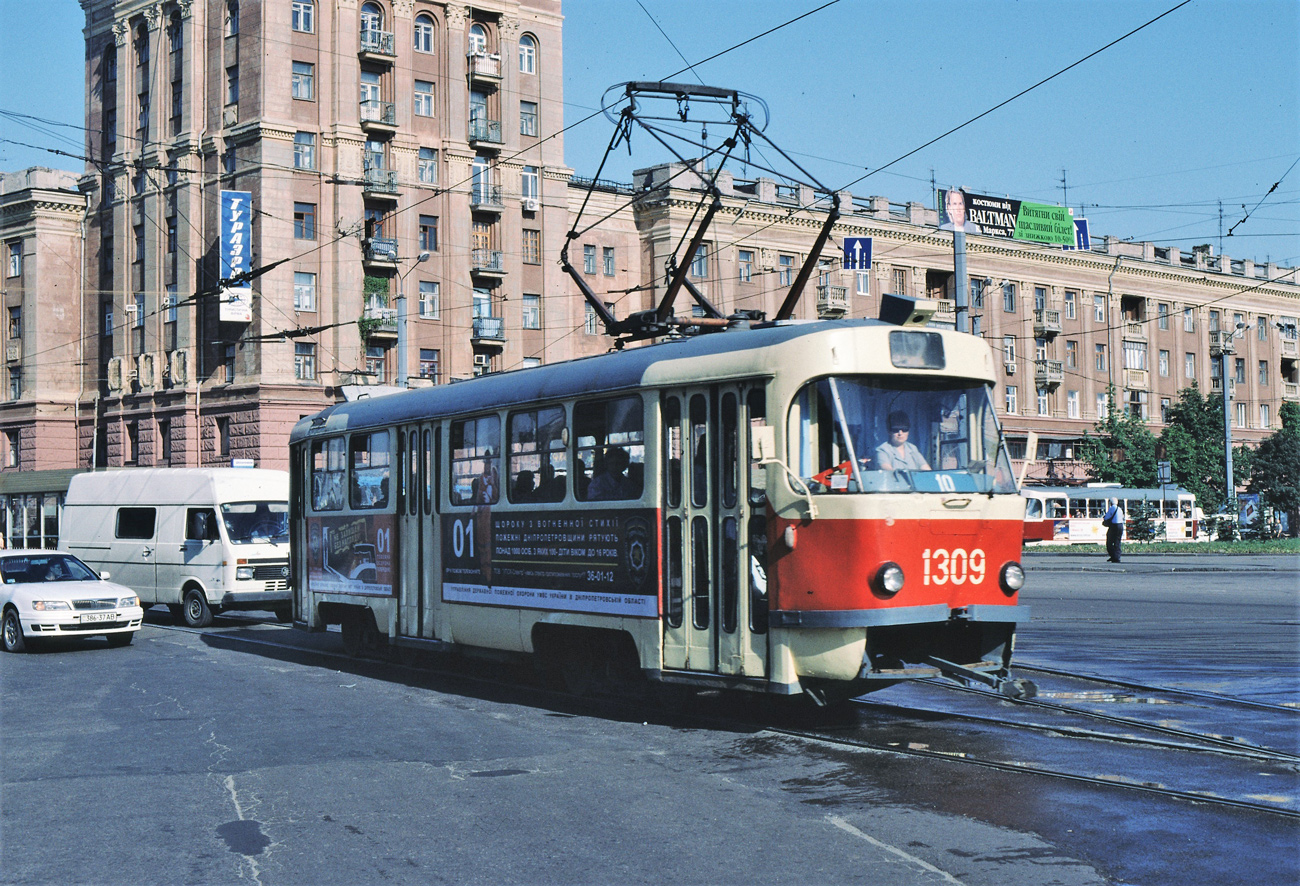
{"x":351,"y":555}
{"x":602,"y":562}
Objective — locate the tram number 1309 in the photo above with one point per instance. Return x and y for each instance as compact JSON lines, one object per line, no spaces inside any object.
{"x":957,"y":566}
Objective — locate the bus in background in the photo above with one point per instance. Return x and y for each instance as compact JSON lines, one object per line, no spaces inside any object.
{"x":1072,"y":514}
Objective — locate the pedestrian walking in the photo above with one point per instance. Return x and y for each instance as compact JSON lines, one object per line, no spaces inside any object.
{"x":1113,"y":520}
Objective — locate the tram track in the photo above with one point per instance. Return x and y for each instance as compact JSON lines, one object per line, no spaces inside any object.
{"x":1168,"y":690}
{"x":826,"y":738}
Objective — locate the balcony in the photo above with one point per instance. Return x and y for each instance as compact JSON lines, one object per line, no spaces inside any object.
{"x":377,"y":116}
{"x":484,"y":68}
{"x":1289,"y":348}
{"x":379,"y":322}
{"x":487,"y":263}
{"x":1047,"y":322}
{"x":1135,"y":330}
{"x":1291,"y":391}
{"x":378,"y":46}
{"x":832,"y":301}
{"x":380,"y":184}
{"x":489,"y":331}
{"x":486,"y":198}
{"x":13,"y":351}
{"x":1216,"y":387}
{"x":1137,"y":379}
{"x":484,"y":132}
{"x":379,"y":252}
{"x":1048,"y":373}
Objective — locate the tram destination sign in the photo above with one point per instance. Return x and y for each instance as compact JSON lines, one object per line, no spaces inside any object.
{"x":1015,"y":219}
{"x":603,"y":561}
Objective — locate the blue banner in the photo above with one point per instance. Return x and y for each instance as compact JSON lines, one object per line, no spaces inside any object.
{"x":236,"y":255}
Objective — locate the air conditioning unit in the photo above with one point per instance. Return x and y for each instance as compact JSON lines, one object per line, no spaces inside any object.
{"x":1011,"y":368}
{"x":530,"y":204}
{"x":482,"y":360}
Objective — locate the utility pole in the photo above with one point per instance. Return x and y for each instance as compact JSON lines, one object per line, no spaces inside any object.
{"x":1221,"y":346}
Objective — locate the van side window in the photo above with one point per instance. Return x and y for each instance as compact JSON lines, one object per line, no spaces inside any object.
{"x":370,"y":460}
{"x":475,"y":448}
{"x":135,"y":522}
{"x":329,"y":466}
{"x":538,"y":464}
{"x":201,"y":524}
{"x":610,"y":444}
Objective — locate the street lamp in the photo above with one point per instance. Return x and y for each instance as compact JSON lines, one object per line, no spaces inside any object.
{"x":401,"y":320}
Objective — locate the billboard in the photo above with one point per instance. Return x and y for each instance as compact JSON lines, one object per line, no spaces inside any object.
{"x":236,"y":255}
{"x":1013,"y":219}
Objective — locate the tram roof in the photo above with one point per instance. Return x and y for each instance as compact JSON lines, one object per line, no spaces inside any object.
{"x":603,"y":373}
{"x":1134,"y":494}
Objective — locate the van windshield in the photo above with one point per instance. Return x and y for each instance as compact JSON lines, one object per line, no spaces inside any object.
{"x":255,"y":521}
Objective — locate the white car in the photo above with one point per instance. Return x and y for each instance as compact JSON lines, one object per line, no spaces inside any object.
{"x":46,"y":594}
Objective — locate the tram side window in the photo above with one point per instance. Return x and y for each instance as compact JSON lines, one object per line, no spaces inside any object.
{"x":1056,"y":508}
{"x":610,"y":448}
{"x":329,"y":467}
{"x":370,"y":460}
{"x":538,"y":467}
{"x":475,"y":475}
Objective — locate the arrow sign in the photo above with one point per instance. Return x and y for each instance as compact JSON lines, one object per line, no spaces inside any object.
{"x":857,"y":253}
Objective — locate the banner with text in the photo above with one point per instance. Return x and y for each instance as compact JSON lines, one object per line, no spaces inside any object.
{"x":1006,"y":217}
{"x":236,"y":255}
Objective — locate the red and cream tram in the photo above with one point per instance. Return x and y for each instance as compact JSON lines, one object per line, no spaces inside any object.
{"x":726,"y":510}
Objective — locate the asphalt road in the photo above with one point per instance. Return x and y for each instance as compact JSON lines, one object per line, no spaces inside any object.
{"x":222,"y":757}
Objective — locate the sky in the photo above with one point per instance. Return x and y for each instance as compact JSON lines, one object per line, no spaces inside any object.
{"x":1174,"y":134}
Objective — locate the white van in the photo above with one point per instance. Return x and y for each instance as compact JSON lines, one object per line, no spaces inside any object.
{"x":200,"y":540}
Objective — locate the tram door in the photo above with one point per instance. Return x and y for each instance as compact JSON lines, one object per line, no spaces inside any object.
{"x":707,"y":604}
{"x":416,"y":535}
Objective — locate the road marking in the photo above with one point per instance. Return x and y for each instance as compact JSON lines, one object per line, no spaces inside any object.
{"x":924,"y":865}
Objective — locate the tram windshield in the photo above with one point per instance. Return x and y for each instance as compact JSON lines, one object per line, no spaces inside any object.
{"x":894,"y":434}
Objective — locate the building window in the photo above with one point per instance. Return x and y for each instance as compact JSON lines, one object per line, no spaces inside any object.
{"x":232,"y":85}
{"x":899,"y":277}
{"x":527,"y":54}
{"x":304,"y":150}
{"x":532,"y":246}
{"x":1099,"y":308}
{"x":423,"y":98}
{"x":1103,"y":406}
{"x":232,"y":17}
{"x":164,"y":441}
{"x":1164,"y":410}
{"x":1162,"y":316}
{"x":303,"y":80}
{"x":15,"y":323}
{"x":530,"y":184}
{"x":1071,"y":304}
{"x":304,"y":361}
{"x":1135,"y":355}
{"x":428,"y":166}
{"x":1214,"y":321}
{"x":12,"y":450}
{"x":1189,"y":320}
{"x":1189,"y":365}
{"x":169,"y":304}
{"x":1042,"y":401}
{"x":786,"y":265}
{"x":863,"y":282}
{"x":304,"y":221}
{"x":375,"y":363}
{"x":532,"y":312}
{"x":1071,"y":354}
{"x":1241,"y":415}
{"x":223,"y":436}
{"x":1263,"y":373}
{"x":137,"y":319}
{"x":1009,"y":298}
{"x":423,"y":33}
{"x":15,"y":265}
{"x":589,"y":259}
{"x":429,"y":233}
{"x":745,"y":263}
{"x":1261,"y":329}
{"x":1239,"y":370}
{"x":700,"y":264}
{"x":1011,"y":400}
{"x":590,"y":323}
{"x":1163,"y":363}
{"x":304,"y":16}
{"x":607,"y":259}
{"x":429,"y":359}
{"x":477,"y":40}
{"x":429,"y":299}
{"x":1008,"y":349}
{"x":1072,"y":404}
{"x":229,"y":363}
{"x":1265,"y":416}
{"x":1040,"y":298}
{"x":528,"y":119}
{"x":1099,"y":358}
{"x":304,"y":291}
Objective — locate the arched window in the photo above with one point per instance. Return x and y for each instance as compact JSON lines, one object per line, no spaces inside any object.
{"x":424,"y":33}
{"x":527,"y":54}
{"x":477,"y":40}
{"x":372,"y":18}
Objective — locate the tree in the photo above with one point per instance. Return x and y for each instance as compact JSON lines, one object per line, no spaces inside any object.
{"x":1193,"y":442}
{"x":1275,"y":465}
{"x":1124,"y":450}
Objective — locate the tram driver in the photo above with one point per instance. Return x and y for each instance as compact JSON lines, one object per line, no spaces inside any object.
{"x":898,"y":453}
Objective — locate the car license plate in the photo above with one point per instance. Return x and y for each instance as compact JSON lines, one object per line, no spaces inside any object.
{"x":98,"y":616}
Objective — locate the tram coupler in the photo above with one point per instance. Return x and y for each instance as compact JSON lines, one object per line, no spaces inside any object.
{"x":1000,"y":682}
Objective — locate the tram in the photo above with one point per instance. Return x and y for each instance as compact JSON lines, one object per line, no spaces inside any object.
{"x":1073,"y":513}
{"x":715,"y":510}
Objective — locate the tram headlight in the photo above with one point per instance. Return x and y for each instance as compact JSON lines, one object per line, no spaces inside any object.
{"x":1012,"y":578}
{"x":888,"y":579}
